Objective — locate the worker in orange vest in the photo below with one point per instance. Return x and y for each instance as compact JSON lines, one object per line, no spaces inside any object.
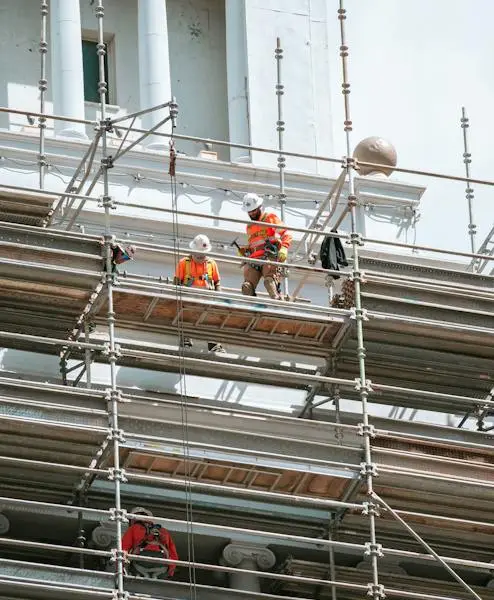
{"x":200,"y":271}
{"x":146,"y":538}
{"x":266,"y":243}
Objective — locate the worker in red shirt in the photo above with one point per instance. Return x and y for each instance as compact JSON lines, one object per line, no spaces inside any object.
{"x":145,"y":538}
{"x":265,"y":243}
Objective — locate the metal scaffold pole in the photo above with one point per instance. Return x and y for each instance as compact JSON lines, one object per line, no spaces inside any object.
{"x":368,"y":468}
{"x":113,"y":395}
{"x":280,"y":128}
{"x":469,"y":194}
{"x":42,"y":86}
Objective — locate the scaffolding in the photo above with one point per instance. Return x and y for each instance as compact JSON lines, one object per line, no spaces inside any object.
{"x":350,"y":489}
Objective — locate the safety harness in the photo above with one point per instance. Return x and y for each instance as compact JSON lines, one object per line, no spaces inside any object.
{"x":151,"y":538}
{"x":208,"y":276}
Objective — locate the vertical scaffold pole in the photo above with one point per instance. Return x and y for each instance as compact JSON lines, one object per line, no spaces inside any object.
{"x":280,"y":128}
{"x":467,"y":159}
{"x":42,"y":86}
{"x":368,"y":468}
{"x":113,"y":397}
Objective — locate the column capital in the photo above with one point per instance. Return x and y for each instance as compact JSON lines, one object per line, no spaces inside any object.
{"x":105,"y":535}
{"x":237,"y":552}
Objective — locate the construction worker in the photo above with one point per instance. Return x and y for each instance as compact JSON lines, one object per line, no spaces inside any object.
{"x":198,"y":270}
{"x":145,"y":538}
{"x":266,"y":243}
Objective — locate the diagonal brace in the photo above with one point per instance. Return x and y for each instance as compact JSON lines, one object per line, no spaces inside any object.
{"x":426,"y":546}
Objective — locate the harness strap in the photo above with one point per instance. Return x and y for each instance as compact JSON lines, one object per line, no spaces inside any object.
{"x":189,"y":278}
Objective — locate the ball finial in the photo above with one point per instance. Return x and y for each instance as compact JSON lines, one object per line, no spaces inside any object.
{"x":376,"y":150}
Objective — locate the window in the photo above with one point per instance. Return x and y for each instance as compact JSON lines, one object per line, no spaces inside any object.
{"x":90,"y":65}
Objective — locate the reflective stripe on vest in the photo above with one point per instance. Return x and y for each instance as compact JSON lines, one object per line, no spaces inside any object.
{"x":189,"y":279}
{"x":259,"y":237}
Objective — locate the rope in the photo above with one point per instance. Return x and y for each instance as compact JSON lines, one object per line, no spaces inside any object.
{"x":182,"y":377}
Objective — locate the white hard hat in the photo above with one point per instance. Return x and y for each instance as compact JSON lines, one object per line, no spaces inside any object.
{"x":200,"y":243}
{"x":251,"y":202}
{"x":139,"y":510}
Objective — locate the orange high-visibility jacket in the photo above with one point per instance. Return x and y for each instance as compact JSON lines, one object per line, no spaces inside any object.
{"x":258,"y":234}
{"x":196,"y":274}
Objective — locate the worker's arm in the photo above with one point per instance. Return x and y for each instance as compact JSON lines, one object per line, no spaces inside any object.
{"x":216,"y":277}
{"x":170,"y":544}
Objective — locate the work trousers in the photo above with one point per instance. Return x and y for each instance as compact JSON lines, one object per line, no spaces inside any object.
{"x":271,"y":278}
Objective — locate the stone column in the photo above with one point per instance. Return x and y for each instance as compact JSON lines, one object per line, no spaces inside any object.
{"x":247,"y":556}
{"x":67,"y":76}
{"x":236,"y":65}
{"x":154,"y":67}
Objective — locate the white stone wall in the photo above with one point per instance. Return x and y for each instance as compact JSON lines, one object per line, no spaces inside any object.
{"x":197,"y":36}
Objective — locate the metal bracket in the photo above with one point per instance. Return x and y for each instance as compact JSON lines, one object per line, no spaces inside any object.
{"x":120,"y":595}
{"x":113,"y":395}
{"x":367,"y":386}
{"x":118,"y":555}
{"x":355,"y":237}
{"x":118,"y":515}
{"x":370,"y":508}
{"x":107,"y":352}
{"x":117,"y":475}
{"x":368,"y":469}
{"x":373,"y":550}
{"x":357,"y":276}
{"x":106,"y":125}
{"x":360,"y":313}
{"x":116,"y":434}
{"x":369,"y":430}
{"x":107,"y":162}
{"x":103,"y":202}
{"x":376,"y":591}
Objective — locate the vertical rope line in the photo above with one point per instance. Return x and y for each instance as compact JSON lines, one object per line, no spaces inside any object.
{"x":182,"y":378}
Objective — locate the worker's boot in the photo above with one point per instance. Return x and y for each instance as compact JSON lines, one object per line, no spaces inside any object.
{"x":248,"y":289}
{"x":271,"y":286}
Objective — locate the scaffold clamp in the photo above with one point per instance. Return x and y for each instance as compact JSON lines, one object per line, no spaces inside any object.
{"x":111,"y":394}
{"x":119,"y":514}
{"x":107,"y":201}
{"x":116,"y":434}
{"x":375,"y":591}
{"x":357,"y":275}
{"x":368,"y":469}
{"x":117,"y":475}
{"x":358,"y":313}
{"x":370,"y":508}
{"x":120,"y":595}
{"x":373,"y":550}
{"x":118,"y":555}
{"x":369,"y":430}
{"x":367,"y":386}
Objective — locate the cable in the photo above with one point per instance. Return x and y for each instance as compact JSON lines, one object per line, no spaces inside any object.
{"x":182,"y":377}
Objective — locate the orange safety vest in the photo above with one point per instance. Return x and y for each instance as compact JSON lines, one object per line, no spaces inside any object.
{"x":259,"y":235}
{"x":193,"y":274}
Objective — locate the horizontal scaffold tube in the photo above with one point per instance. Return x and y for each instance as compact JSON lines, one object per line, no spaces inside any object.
{"x":434,"y":174}
{"x":230,"y":531}
{"x":245,"y":222}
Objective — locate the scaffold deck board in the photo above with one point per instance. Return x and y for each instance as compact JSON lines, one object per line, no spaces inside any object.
{"x":229,"y":316}
{"x":28,"y":208}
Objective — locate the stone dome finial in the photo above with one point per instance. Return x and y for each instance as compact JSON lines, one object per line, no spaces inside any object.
{"x":376,"y":150}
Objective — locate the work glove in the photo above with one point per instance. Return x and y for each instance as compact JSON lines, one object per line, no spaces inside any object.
{"x":282,"y":254}
{"x":242,"y":251}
